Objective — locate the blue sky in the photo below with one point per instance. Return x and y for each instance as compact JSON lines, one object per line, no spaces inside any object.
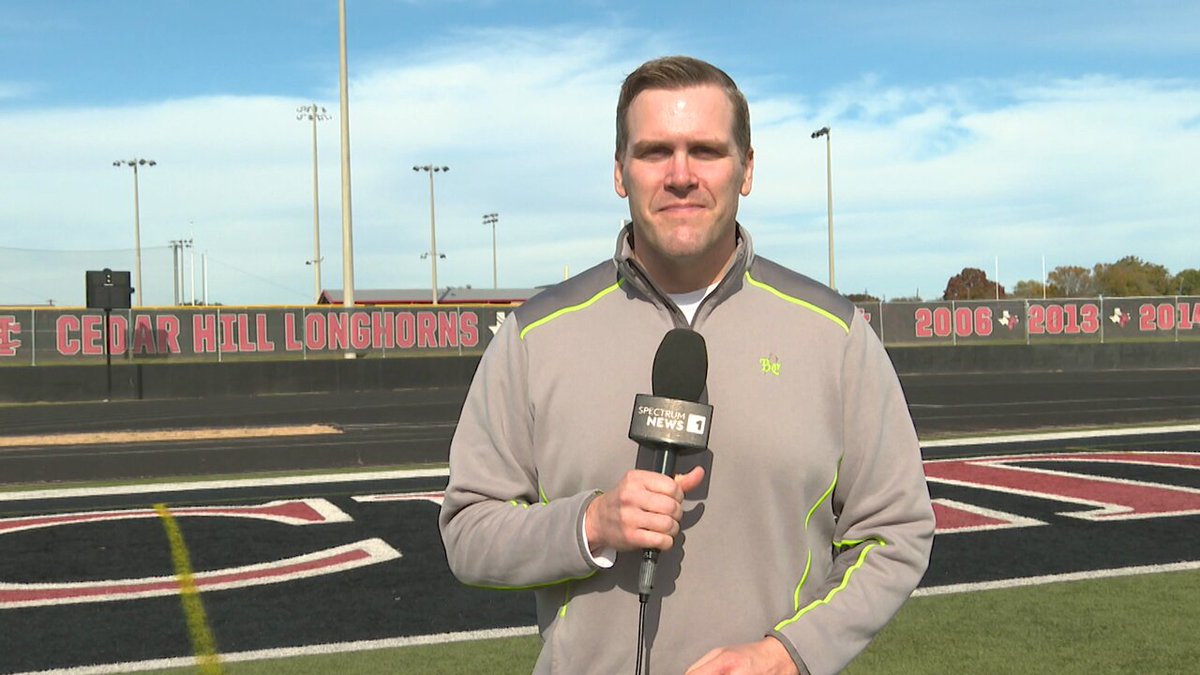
{"x":981,"y":134}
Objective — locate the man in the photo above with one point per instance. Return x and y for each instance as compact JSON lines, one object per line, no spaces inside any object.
{"x":790,"y":543}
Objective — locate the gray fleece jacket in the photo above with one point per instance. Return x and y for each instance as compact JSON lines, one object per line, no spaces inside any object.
{"x":813,"y":523}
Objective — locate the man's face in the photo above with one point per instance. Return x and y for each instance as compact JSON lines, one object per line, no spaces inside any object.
{"x":683,"y":174}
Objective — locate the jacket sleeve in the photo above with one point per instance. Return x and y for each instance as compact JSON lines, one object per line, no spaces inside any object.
{"x":497,"y":526}
{"x":884,"y":523}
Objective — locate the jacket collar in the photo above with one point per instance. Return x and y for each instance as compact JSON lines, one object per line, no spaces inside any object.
{"x":636,"y":277}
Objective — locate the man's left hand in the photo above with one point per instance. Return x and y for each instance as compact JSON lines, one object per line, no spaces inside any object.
{"x":765,"y":657}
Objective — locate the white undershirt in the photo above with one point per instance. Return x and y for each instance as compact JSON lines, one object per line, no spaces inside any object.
{"x":690,"y":301}
{"x":606,"y":558}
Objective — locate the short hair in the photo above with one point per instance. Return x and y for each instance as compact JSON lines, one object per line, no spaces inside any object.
{"x":681,"y":72}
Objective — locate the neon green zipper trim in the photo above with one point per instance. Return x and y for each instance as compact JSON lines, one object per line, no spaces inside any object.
{"x":573,"y":308}
{"x":808,"y":557}
{"x":851,"y":543}
{"x":797,"y":301}
{"x":523,"y":505}
{"x":541,"y":498}
{"x":862,"y":558}
{"x":562,"y":611}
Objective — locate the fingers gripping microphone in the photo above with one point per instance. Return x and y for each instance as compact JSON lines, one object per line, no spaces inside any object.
{"x":672,"y":420}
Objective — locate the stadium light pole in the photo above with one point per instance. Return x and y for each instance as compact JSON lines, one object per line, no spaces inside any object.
{"x":177,"y":247}
{"x":315,"y":113}
{"x":137,"y":225}
{"x":433,"y":254}
{"x":191,"y":244}
{"x":492,"y":219}
{"x":824,"y":131}
{"x":347,"y":217}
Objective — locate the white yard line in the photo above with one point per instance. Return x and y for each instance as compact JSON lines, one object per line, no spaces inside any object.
{"x":522,"y":631}
{"x":61,"y":493}
{"x":1081,"y":434}
{"x":1055,"y":578}
{"x":314,"y":650}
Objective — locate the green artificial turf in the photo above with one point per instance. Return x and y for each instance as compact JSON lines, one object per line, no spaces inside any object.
{"x":1136,"y":624}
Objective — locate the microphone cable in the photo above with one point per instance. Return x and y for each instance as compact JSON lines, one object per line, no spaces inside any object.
{"x":664,"y":461}
{"x":641,"y":645}
{"x":664,"y":464}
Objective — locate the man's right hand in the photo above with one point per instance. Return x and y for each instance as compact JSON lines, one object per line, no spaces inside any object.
{"x":642,"y":511}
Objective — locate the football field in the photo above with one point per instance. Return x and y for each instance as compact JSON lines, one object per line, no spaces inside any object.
{"x":1063,"y":550}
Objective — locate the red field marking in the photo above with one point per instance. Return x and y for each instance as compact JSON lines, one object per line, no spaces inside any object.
{"x":287,"y":512}
{"x":1182,"y":460}
{"x":953,"y":517}
{"x":328,"y":561}
{"x":1114,"y":499}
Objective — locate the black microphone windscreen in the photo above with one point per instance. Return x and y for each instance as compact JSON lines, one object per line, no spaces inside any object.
{"x":680,"y":365}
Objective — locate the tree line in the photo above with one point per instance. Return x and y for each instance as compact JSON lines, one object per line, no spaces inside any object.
{"x":1129,"y":276}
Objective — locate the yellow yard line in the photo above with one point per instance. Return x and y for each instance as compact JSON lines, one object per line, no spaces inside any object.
{"x":204,"y":645}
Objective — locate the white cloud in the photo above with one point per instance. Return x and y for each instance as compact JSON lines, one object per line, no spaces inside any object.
{"x":1083,"y":171}
{"x":926,"y":181}
{"x":524,"y":122}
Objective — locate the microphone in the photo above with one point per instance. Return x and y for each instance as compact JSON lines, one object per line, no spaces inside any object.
{"x":672,"y":420}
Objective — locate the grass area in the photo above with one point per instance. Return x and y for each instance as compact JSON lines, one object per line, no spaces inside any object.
{"x":1142,"y":624}
{"x":1139,"y":624}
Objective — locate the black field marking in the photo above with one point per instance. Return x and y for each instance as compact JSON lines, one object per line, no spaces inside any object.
{"x":412,"y":597}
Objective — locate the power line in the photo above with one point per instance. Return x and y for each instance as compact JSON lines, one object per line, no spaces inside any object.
{"x":255,"y":276}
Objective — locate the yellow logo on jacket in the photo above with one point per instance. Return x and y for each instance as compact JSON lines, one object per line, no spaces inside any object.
{"x":770,"y":364}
